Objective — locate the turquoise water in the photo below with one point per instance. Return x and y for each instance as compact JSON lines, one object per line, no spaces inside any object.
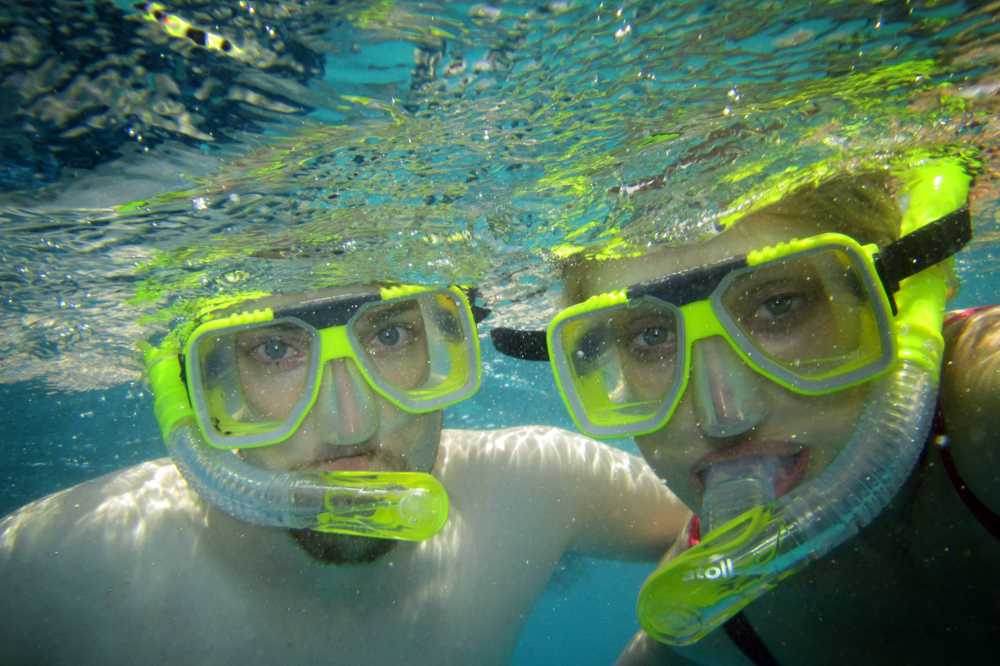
{"x":448,"y":142}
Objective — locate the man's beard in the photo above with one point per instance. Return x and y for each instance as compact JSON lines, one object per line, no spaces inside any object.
{"x":340,"y":549}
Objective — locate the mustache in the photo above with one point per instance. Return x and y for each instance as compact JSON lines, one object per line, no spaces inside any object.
{"x":384,"y":460}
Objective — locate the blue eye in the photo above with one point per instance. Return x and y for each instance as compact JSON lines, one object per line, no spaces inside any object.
{"x":389,"y":336}
{"x":653,"y":337}
{"x":275,"y":349}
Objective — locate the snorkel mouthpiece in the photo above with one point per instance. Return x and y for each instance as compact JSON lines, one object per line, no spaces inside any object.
{"x":733,"y":487}
{"x":742,"y":557}
{"x":407,"y":506}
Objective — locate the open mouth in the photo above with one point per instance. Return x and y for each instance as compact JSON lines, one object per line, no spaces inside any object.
{"x":791,"y":470}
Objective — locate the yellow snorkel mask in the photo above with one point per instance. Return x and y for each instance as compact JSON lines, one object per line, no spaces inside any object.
{"x":622,"y":362}
{"x":249,"y":379}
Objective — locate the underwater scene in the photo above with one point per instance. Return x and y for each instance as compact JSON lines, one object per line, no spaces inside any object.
{"x":191,"y":187}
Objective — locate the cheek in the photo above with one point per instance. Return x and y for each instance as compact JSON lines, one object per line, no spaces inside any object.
{"x":672,"y":463}
{"x":417,"y":443}
{"x":406,"y":371}
{"x":826,"y":423}
{"x":272,"y":395}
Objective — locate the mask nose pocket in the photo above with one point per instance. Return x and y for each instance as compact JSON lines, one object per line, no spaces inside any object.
{"x":726,"y":396}
{"x":346,"y":410}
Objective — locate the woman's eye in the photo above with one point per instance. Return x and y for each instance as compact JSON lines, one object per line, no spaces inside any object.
{"x":777,"y":306}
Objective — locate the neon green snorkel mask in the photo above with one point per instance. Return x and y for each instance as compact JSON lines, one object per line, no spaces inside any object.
{"x":816,"y":316}
{"x":250,"y":379}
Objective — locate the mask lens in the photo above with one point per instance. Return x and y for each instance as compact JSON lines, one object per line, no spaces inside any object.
{"x":252,"y":380}
{"x":622,"y":361}
{"x":421,"y":350}
{"x":810,"y":315}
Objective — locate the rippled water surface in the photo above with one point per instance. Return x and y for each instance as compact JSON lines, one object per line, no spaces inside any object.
{"x":309,"y":143}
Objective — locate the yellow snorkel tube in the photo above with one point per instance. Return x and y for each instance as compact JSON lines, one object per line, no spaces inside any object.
{"x":743,"y":558}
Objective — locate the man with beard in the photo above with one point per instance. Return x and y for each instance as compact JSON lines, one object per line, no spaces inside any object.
{"x":314,"y":510}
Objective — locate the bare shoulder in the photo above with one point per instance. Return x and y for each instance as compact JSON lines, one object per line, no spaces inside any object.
{"x":601,"y":501}
{"x":118,"y":505}
{"x":530,"y":454}
{"x":79,"y":562}
{"x":534,"y":449}
{"x":970,"y":400}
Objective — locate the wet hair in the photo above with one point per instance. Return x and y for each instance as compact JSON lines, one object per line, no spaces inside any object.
{"x":861,"y":206}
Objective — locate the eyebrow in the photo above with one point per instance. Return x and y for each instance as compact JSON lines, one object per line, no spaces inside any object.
{"x":391,"y":310}
{"x":690,"y":285}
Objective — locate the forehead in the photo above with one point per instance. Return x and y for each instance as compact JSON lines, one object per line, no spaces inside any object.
{"x":279,"y":300}
{"x":752,"y":233}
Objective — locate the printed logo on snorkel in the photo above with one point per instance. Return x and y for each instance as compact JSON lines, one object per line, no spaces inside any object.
{"x":724,"y":570}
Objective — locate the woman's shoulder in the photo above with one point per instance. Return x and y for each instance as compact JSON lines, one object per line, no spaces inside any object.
{"x":970,"y":399}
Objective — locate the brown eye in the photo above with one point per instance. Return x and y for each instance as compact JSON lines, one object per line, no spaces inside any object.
{"x":779,"y":305}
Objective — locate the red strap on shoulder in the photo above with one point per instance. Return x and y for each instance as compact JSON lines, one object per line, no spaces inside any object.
{"x":962,"y":314}
{"x":694,"y":532}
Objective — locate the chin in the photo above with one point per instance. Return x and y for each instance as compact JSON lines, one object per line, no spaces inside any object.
{"x":341,"y":549}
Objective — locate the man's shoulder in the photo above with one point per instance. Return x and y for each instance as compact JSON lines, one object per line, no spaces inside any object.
{"x":519,"y":446}
{"x":126,"y":501}
{"x":528,"y":455}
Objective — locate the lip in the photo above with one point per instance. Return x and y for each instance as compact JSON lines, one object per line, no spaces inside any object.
{"x":362,"y":463}
{"x":795,"y":459}
{"x":341,"y":458}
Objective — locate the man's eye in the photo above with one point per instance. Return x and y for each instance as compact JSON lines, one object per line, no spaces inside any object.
{"x":275,"y":350}
{"x":389,"y":336}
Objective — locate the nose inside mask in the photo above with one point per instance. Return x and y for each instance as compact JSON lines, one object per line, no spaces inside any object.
{"x":346,"y":409}
{"x":725,"y":389}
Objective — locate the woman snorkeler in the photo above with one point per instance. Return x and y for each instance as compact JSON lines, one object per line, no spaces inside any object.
{"x":794,"y":380}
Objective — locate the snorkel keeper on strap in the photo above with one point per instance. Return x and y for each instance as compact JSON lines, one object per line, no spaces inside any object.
{"x":743,"y":558}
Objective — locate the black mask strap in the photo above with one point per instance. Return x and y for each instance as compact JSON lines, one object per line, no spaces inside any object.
{"x":525,"y":345}
{"x":925,"y":247}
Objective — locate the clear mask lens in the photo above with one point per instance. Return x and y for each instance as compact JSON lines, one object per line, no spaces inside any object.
{"x":252,"y":384}
{"x":622,"y":361}
{"x":255,"y":380}
{"x":418,"y":349}
{"x":809,"y":315}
